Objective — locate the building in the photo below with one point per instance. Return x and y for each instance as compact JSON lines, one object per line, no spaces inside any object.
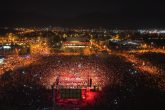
{"x":76,"y":44}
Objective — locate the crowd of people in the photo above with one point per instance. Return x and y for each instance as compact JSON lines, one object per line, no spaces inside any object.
{"x":117,"y":78}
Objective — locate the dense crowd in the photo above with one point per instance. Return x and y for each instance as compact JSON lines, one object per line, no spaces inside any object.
{"x":29,"y":86}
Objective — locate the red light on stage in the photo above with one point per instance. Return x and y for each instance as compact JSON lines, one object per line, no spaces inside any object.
{"x":83,"y":97}
{"x":90,"y":96}
{"x":83,"y":94}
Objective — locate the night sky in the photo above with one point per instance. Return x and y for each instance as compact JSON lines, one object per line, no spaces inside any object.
{"x":112,"y":13}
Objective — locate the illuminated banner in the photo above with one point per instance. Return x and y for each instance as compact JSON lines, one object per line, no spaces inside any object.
{"x":73,"y":81}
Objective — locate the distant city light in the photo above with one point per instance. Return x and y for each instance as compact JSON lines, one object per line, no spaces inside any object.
{"x":7,"y":47}
{"x":1,"y":60}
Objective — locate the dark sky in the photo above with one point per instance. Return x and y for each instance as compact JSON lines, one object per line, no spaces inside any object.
{"x":111,"y":13}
